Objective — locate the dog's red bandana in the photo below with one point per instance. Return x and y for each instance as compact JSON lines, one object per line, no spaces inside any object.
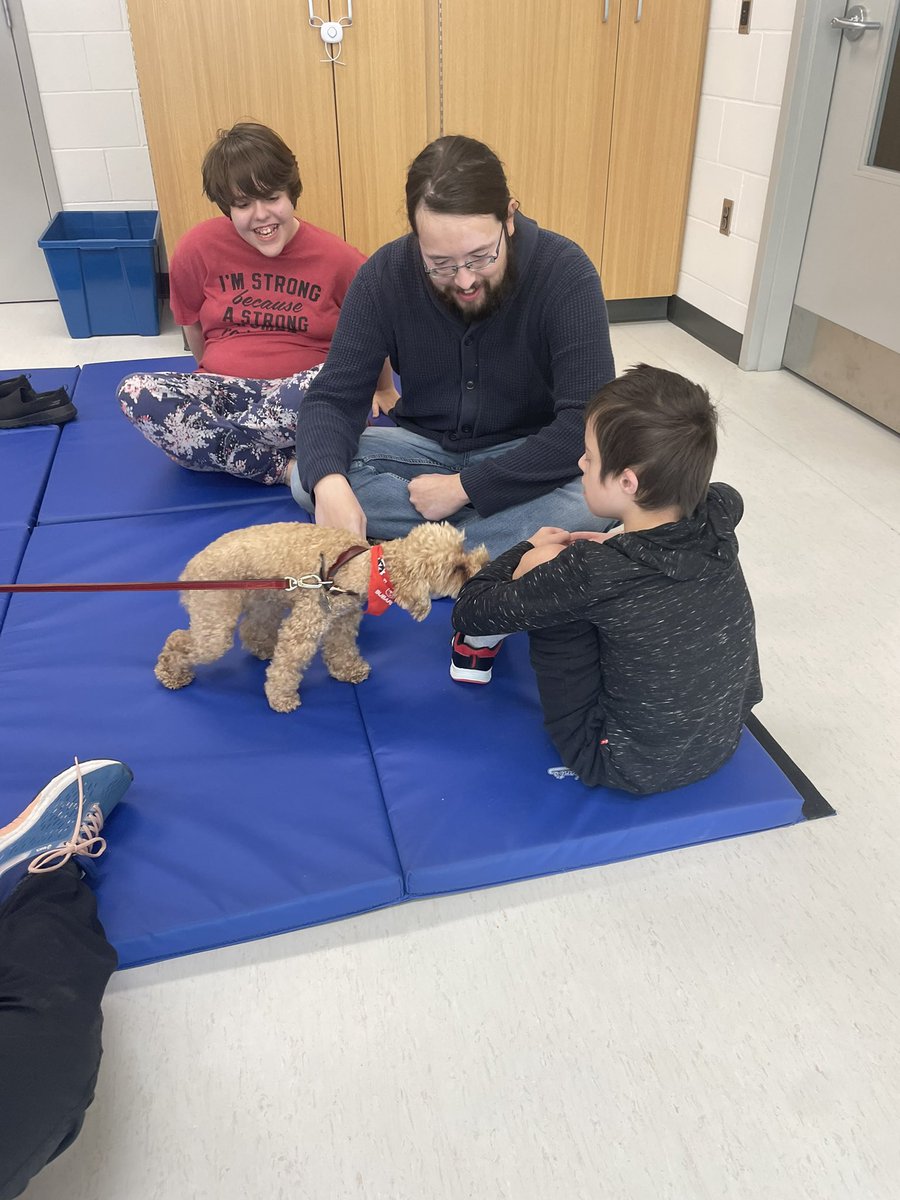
{"x":381,"y":587}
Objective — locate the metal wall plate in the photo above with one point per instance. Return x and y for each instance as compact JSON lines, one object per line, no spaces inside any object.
{"x":861,"y":372}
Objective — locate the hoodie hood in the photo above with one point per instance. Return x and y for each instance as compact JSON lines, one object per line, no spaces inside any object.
{"x":701,"y":544}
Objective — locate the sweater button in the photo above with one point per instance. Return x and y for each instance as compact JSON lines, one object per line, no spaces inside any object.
{"x":454,"y":437}
{"x":470,"y":384}
{"x":467,"y":341}
{"x":465,"y":429}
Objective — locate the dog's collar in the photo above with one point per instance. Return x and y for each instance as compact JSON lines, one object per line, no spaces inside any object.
{"x":381,"y":587}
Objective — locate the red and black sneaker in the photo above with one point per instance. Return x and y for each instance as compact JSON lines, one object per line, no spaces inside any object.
{"x":472,"y":664}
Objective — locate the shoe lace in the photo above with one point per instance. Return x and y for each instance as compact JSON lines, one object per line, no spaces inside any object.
{"x":85,"y":841}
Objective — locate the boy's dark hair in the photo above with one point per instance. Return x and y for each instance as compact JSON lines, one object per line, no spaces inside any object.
{"x":661,"y":426}
{"x":457,"y":175}
{"x":249,"y":161}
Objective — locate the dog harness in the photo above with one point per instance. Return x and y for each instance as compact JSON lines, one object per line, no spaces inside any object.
{"x":380,"y":595}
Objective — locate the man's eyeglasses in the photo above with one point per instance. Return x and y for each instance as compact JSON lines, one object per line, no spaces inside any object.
{"x":478,"y":262}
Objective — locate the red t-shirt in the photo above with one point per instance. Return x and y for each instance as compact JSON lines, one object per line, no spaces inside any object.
{"x":262,"y":318}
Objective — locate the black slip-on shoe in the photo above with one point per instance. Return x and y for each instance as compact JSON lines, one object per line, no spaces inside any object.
{"x":26,"y":407}
{"x":13,"y":385}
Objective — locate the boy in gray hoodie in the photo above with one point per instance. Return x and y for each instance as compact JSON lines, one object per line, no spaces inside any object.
{"x":643,"y":641}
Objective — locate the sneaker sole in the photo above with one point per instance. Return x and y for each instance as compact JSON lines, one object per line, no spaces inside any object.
{"x":94,"y":793}
{"x":58,"y":416}
{"x":464,"y":675}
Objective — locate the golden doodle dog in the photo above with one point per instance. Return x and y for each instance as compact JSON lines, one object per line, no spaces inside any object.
{"x":287,"y":627}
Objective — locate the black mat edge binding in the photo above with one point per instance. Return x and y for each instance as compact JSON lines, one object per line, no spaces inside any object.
{"x":814,"y":803}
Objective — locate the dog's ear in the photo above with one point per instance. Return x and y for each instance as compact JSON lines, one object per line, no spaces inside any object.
{"x":476,"y":559}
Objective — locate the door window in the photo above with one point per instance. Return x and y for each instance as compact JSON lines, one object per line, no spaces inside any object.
{"x":886,"y":143}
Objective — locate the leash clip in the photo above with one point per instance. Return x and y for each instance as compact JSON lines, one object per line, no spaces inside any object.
{"x":311,"y":582}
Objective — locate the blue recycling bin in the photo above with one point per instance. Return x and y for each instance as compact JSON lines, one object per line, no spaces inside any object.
{"x":104,"y":268}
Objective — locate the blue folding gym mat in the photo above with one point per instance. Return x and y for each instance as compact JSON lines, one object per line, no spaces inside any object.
{"x":465,"y":772}
{"x":12,"y":547}
{"x":25,"y":458}
{"x":241,"y":822}
{"x":26,"y":453}
{"x":105,"y":468}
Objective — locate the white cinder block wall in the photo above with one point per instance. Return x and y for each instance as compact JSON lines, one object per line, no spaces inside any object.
{"x":740,"y":103}
{"x":85,"y":71}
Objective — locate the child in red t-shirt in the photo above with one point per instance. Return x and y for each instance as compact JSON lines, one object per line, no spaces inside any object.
{"x":258,"y":293}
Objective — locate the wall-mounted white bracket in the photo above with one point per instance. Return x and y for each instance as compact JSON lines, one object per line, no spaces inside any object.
{"x":332,"y":32}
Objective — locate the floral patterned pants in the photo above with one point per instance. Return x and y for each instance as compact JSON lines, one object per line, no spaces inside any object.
{"x":244,"y":427}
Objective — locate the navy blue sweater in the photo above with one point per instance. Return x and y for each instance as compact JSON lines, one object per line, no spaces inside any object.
{"x":526,"y":371}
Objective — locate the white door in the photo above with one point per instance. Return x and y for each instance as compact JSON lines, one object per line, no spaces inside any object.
{"x":844,"y":333}
{"x":23,"y":270}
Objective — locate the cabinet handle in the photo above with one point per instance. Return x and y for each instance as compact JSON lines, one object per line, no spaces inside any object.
{"x":640,"y":11}
{"x":605,"y":11}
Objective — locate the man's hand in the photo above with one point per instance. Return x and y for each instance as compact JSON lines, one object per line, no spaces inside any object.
{"x":437,"y":496}
{"x":337,"y":507}
{"x":386,"y":395}
{"x":384,"y":400}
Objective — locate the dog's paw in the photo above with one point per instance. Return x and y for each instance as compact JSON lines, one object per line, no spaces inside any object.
{"x":354,"y":672}
{"x":173,"y":677}
{"x":282,"y":703}
{"x":263,"y":653}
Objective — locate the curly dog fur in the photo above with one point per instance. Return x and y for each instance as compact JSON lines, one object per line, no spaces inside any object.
{"x":287,"y":628}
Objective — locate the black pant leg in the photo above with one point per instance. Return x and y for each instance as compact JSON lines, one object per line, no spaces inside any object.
{"x":55,"y":963}
{"x":566,"y":662}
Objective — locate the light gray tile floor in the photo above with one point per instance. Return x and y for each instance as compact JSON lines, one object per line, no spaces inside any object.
{"x":718,"y":1023}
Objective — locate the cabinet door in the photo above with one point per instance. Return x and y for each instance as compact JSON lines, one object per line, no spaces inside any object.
{"x":535,"y":81}
{"x":658,"y":75}
{"x":387,"y":106}
{"x":203,"y":65}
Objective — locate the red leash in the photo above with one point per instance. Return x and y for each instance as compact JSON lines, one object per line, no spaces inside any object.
{"x":177,"y":585}
{"x":380,"y":597}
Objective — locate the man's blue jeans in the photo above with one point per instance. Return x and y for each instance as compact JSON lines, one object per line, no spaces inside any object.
{"x":387,"y":459}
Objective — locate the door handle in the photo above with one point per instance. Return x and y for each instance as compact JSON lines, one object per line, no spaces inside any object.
{"x":854,"y":24}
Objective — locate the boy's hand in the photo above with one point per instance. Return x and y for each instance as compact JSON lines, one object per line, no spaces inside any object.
{"x":548,"y":534}
{"x":587,"y":535}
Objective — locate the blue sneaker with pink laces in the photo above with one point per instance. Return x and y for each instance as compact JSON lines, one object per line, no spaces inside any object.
{"x":63,"y":822}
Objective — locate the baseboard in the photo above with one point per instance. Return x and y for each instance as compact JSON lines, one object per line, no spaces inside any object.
{"x":705,"y":329}
{"x":646,"y":308}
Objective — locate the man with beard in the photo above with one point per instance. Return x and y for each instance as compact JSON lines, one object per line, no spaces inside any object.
{"x":499,"y":333}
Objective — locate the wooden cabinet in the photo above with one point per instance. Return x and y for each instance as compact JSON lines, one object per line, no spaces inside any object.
{"x":591,"y":105}
{"x":538,"y":88}
{"x":202,"y":65}
{"x":658,"y":71}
